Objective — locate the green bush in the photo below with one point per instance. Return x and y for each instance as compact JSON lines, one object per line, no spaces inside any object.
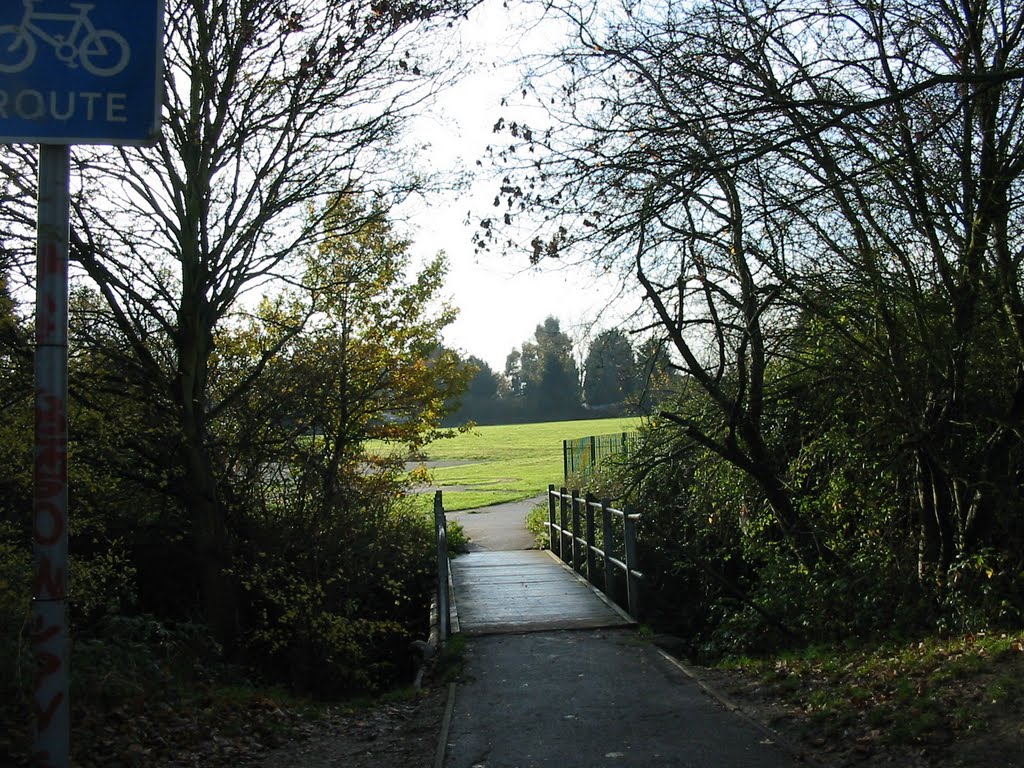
{"x":537,"y":524}
{"x":101,"y":585}
{"x":15,"y":614}
{"x":128,"y":657}
{"x":982,"y":591}
{"x":458,"y":542}
{"x":332,"y":612}
{"x":721,"y":574}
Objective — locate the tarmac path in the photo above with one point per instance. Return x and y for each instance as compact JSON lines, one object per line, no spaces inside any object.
{"x":584,"y":698}
{"x":500,"y":527}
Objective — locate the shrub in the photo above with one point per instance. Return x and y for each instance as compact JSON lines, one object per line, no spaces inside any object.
{"x":332,"y":611}
{"x":15,"y":613}
{"x":127,"y":657}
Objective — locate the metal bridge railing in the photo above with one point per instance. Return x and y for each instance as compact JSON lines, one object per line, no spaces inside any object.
{"x":573,"y":537}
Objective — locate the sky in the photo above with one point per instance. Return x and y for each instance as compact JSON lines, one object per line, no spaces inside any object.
{"x":501,"y":298}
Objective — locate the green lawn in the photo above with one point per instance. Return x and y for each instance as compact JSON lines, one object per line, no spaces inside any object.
{"x":512,"y":462}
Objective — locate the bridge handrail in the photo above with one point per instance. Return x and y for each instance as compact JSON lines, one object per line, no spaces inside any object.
{"x":576,"y":545}
{"x":443,"y":604}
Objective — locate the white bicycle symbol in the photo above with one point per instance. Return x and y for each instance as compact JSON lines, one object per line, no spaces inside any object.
{"x":102,"y":52}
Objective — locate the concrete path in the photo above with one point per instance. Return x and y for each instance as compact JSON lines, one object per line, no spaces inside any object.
{"x":589,"y":699}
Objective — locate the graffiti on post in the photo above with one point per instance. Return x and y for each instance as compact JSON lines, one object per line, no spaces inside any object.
{"x":49,"y":702}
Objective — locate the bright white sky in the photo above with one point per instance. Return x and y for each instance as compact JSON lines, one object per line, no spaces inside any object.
{"x":501,"y":299}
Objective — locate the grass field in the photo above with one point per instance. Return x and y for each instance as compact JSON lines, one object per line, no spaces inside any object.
{"x":509,"y":463}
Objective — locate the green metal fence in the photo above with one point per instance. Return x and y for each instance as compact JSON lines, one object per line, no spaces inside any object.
{"x":581,"y":455}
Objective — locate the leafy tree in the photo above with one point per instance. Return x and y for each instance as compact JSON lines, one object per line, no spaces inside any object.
{"x":514,"y":373}
{"x":557,"y":394}
{"x":333,"y":563}
{"x":485,"y":384}
{"x":543,"y":374}
{"x":270,"y":107}
{"x":610,"y":369}
{"x":482,"y":402}
{"x":389,"y":376}
{"x":15,"y":490}
{"x":552,"y":378}
{"x":15,"y":409}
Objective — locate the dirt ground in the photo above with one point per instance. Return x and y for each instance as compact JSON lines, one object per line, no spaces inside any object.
{"x":396,"y":735}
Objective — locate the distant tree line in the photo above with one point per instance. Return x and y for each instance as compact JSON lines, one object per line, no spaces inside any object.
{"x":543,"y":382}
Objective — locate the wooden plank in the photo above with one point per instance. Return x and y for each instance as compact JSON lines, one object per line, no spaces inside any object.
{"x":525,"y":591}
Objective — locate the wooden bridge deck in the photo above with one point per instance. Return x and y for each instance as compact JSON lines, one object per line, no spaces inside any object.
{"x":525,"y":591}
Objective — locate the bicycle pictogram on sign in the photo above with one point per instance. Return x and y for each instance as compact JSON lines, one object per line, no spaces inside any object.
{"x":101,"y":52}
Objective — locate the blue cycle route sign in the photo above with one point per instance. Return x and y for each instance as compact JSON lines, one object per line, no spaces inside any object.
{"x":80,"y":72}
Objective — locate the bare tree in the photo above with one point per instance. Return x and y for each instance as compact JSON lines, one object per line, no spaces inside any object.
{"x":758,"y":163}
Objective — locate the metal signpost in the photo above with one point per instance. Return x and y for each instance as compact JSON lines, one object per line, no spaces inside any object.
{"x":70,"y":73}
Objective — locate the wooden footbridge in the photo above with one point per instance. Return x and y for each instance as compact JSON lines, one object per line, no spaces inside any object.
{"x":496,"y":592}
{"x":525,"y":591}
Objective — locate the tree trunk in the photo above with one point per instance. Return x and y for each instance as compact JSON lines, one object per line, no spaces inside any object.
{"x":210,"y":536}
{"x":937,"y":545}
{"x":212,"y":547}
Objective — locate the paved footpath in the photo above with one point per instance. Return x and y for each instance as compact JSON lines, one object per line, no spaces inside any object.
{"x":582,"y":699}
{"x":500,"y":527}
{"x":585,"y":698}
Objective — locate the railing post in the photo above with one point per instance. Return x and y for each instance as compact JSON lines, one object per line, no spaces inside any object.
{"x":563,"y":515}
{"x":588,"y":508}
{"x":577,"y":557}
{"x":441,"y":531}
{"x":632,"y":566}
{"x":556,"y":550}
{"x":565,"y":462}
{"x":609,"y":539}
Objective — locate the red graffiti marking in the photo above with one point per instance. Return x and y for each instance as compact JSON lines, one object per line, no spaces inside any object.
{"x":51,"y":415}
{"x":51,"y":459}
{"x":45,"y":330}
{"x":50,"y":469}
{"x":45,"y":716}
{"x":49,"y":582}
{"x":49,"y":262}
{"x":51,"y":449}
{"x":46,"y":322}
{"x":50,"y":265}
{"x":40,"y":634}
{"x":47,"y":510}
{"x":49,"y":487}
{"x":47,"y":664}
